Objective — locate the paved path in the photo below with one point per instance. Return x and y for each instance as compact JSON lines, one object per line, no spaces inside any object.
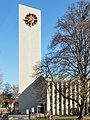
{"x":21,"y":117}
{"x":18,"y":117}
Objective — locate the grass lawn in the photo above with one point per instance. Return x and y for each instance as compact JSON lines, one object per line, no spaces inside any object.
{"x":69,"y":117}
{"x":62,"y":118}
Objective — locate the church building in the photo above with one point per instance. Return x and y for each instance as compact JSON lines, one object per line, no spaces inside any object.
{"x":38,"y":94}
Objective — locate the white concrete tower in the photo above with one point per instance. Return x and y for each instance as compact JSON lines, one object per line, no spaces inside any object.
{"x":29,"y":44}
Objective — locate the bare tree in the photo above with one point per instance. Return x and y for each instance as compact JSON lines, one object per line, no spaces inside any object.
{"x":1,"y":81}
{"x":70,"y":52}
{"x":71,"y":49}
{"x":15,"y":91}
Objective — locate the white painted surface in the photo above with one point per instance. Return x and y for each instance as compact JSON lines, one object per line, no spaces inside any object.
{"x":58,"y":100}
{"x":48,"y":96}
{"x":29,"y":46}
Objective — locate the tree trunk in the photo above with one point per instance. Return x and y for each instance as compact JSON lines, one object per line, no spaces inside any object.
{"x":82,"y":112}
{"x":86,"y":109}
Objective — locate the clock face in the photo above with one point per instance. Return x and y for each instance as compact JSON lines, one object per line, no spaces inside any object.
{"x":30,"y":19}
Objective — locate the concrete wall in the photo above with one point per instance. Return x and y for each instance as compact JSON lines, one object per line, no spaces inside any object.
{"x":29,"y":46}
{"x":57,"y":104}
{"x":32,"y":96}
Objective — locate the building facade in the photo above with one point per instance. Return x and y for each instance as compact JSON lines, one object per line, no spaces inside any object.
{"x":29,"y":51}
{"x":29,"y":44}
{"x":58,"y":105}
{"x":38,"y":92}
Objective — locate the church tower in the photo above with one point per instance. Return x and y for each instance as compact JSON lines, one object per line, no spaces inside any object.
{"x":29,"y":44}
